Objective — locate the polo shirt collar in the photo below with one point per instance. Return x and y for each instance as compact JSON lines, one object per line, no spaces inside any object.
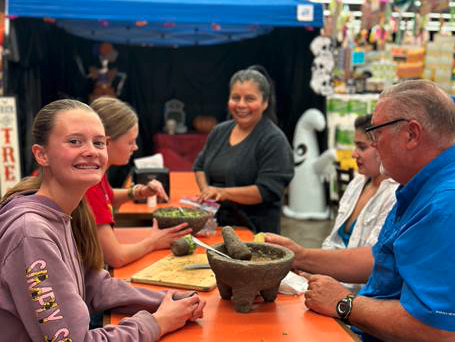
{"x":406,"y":193}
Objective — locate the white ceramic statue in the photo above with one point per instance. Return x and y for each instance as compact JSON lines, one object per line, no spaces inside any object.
{"x":306,"y":191}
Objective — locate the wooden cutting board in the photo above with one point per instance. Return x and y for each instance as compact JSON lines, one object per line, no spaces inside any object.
{"x":170,"y":271}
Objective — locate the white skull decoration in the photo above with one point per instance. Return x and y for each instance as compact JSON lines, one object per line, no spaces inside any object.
{"x":323,"y":63}
{"x":322,"y":66}
{"x":322,"y":83}
{"x":321,"y":46}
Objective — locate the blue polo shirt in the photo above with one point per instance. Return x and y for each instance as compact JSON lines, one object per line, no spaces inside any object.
{"x":414,"y":258}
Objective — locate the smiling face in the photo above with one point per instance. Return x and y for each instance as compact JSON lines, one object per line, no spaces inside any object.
{"x":300,"y":154}
{"x":366,"y":156}
{"x":121,"y":148}
{"x":246,"y":103}
{"x":75,"y":155}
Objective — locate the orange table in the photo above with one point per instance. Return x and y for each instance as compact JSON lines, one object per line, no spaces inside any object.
{"x":286,"y":319}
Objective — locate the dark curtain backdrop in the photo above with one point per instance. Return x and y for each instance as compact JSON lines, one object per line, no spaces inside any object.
{"x":43,"y":68}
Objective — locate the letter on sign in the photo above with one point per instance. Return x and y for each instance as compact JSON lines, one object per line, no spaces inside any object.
{"x":10,"y":172}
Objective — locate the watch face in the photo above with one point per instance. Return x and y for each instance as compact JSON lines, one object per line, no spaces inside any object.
{"x":342,"y":307}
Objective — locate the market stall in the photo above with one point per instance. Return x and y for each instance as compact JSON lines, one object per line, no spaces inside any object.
{"x":366,"y":46}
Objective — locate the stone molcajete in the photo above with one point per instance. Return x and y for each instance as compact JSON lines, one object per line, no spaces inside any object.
{"x":243,"y":280}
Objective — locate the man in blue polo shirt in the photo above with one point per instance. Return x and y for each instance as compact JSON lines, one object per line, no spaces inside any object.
{"x":410,"y":293}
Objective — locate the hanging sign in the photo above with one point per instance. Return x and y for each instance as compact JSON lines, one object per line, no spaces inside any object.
{"x":305,"y":12}
{"x":10,"y":172}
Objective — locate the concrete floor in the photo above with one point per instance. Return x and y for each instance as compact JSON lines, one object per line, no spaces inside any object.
{"x":309,"y":233}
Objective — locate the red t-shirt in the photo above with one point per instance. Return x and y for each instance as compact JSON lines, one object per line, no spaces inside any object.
{"x":100,"y":197}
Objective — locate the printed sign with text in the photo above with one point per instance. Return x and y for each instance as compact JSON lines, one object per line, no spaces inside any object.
{"x":10,"y":172}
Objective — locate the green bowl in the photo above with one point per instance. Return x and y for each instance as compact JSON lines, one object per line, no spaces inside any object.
{"x":171,"y":216}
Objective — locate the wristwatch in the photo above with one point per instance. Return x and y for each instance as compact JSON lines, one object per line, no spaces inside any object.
{"x":344,"y":308}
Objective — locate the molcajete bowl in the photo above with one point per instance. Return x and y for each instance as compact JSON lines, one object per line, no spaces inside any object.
{"x":242,"y":280}
{"x":173,"y":216}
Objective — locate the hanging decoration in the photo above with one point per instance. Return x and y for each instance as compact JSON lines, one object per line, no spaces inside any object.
{"x":330,"y":29}
{"x":141,"y":23}
{"x":162,"y":33}
{"x":428,"y":6}
{"x":403,"y":3}
{"x":323,"y":64}
{"x":107,"y":79}
{"x":371,"y":13}
{"x":104,"y":23}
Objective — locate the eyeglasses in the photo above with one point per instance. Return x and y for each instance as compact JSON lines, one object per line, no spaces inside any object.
{"x":374,"y":135}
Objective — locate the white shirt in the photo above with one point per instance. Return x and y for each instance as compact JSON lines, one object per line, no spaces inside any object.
{"x":370,"y":220}
{"x":371,"y":217}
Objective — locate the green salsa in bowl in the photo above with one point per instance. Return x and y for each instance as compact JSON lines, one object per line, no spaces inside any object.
{"x":172,"y":216}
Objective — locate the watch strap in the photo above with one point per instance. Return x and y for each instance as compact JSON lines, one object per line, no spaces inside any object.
{"x":344,"y":316}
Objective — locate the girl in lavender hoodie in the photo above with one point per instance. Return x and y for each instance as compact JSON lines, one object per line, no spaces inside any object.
{"x":51,"y":263}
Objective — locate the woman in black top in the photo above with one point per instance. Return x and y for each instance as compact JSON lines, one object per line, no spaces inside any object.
{"x":247,"y":162}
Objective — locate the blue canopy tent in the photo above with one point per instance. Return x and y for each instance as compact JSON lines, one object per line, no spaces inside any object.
{"x":268,"y":12}
{"x":171,"y":22}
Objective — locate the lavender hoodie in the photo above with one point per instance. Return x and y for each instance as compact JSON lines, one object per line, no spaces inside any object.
{"x":46,"y":294}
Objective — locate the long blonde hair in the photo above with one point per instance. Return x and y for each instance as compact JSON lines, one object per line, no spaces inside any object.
{"x":83,"y":223}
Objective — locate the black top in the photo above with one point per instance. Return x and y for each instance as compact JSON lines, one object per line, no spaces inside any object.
{"x":264,"y":158}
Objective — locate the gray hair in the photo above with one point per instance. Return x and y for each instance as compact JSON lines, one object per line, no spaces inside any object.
{"x":259,"y":75}
{"x":426,"y":102}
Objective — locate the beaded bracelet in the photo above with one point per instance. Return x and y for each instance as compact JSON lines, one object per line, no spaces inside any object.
{"x":135,"y":194}
{"x":131,"y":191}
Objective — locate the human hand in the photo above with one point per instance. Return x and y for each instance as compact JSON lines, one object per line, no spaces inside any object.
{"x":212,"y":192}
{"x":152,"y":188}
{"x":198,"y":313}
{"x":173,"y":314}
{"x":323,"y":294}
{"x":298,"y":250}
{"x":162,"y":238}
